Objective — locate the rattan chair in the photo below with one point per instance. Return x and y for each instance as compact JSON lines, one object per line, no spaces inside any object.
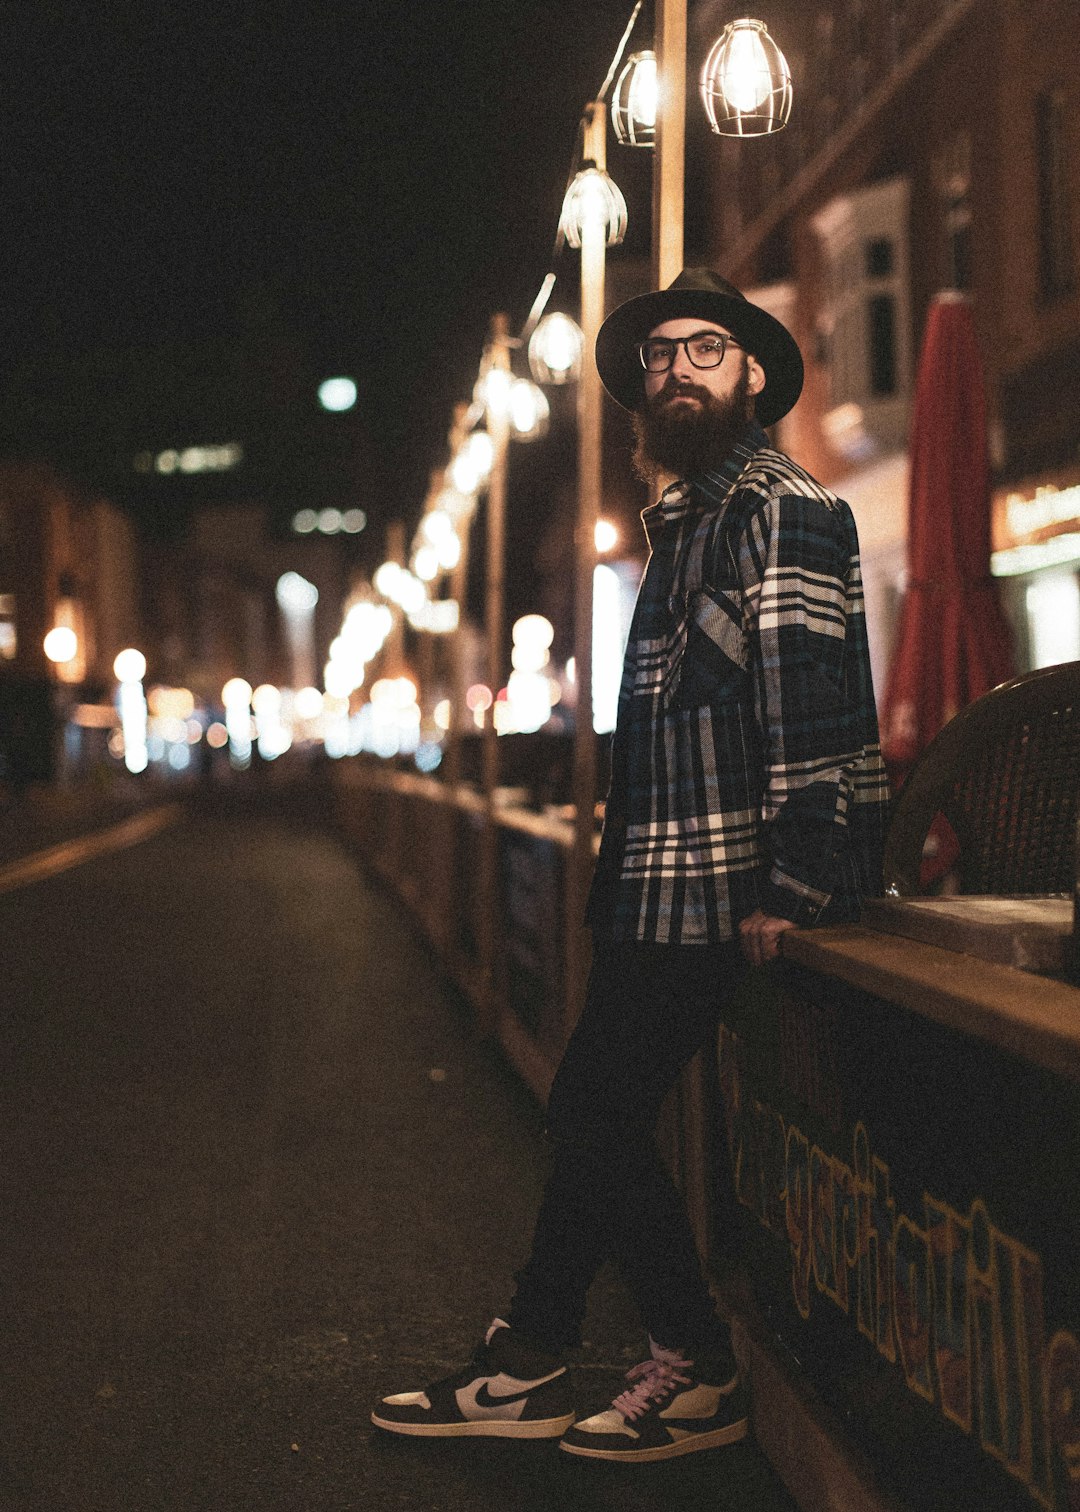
{"x":1004,"y":774}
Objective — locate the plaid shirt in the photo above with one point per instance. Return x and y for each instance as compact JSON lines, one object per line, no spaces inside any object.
{"x":746,"y":769}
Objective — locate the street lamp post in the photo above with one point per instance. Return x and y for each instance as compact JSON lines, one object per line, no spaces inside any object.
{"x":394,"y":660}
{"x":670,"y":150}
{"x":498,"y":422}
{"x":594,"y":236}
{"x":742,"y":115}
{"x":746,"y":91}
{"x":458,"y":590}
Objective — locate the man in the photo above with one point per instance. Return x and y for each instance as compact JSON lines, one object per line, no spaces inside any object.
{"x":747,"y":798}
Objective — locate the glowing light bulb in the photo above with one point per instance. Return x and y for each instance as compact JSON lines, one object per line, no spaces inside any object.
{"x":746,"y":82}
{"x":61,"y":644}
{"x":426,"y":563}
{"x":529,"y":410}
{"x":386,"y":579}
{"x":744,"y":77}
{"x":634,"y":103}
{"x":644,"y":92}
{"x":129,"y":666}
{"x":555,"y":349}
{"x":493,"y":391}
{"x":236,"y":693}
{"x":606,"y":535}
{"x":337,"y":395}
{"x":593,"y":200}
{"x":480,"y":450}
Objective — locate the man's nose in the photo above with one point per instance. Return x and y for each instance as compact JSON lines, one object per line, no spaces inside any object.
{"x":681,"y":366}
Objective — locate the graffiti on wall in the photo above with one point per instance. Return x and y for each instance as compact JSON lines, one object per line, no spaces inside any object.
{"x":945,"y":1296}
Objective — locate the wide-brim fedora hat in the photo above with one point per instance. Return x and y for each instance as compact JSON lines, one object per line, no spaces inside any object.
{"x":701,"y":294}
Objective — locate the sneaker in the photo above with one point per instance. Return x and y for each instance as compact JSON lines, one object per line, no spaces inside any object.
{"x":674,"y":1408}
{"x":509,"y":1389}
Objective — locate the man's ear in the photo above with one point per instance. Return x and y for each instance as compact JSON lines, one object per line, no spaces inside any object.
{"x":756,"y":374}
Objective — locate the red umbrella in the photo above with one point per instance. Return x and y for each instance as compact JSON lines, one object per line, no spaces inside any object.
{"x":953,"y":643}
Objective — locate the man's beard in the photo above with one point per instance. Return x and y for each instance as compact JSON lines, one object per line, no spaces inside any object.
{"x":685,"y":439}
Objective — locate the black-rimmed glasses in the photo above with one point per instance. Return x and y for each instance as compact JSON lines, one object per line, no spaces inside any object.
{"x":705,"y":349}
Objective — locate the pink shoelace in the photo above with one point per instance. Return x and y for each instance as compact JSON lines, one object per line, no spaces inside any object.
{"x":654,"y":1379}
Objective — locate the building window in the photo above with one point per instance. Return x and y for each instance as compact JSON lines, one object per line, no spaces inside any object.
{"x":882,"y":314}
{"x":9,"y":639}
{"x":864,"y":322}
{"x":952,"y":172}
{"x":1057,"y":265}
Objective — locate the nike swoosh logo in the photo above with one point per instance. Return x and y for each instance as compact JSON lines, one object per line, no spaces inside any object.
{"x":486,"y":1399}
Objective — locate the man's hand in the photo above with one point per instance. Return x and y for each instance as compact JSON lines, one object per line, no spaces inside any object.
{"x":760,"y":936}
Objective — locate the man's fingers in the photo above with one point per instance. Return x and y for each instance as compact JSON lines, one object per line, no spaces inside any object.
{"x":760,"y":936}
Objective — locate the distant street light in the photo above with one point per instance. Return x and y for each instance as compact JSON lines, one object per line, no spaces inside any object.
{"x":337,"y":395}
{"x":607,"y":537}
{"x":129,"y":666}
{"x":295,"y":595}
{"x":236,"y":693}
{"x":297,"y":598}
{"x":61,"y":645}
{"x":236,"y":696}
{"x":129,"y":669}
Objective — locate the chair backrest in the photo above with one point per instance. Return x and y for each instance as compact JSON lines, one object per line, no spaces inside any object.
{"x":1005,"y":775}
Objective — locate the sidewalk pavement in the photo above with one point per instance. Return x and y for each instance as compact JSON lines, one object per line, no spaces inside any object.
{"x":279,"y":1176}
{"x":44,"y":816}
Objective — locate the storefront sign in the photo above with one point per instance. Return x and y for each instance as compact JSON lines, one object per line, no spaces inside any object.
{"x":1035,"y":526}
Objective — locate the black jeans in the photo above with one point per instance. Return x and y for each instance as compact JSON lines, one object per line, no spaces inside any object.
{"x":609,"y":1196}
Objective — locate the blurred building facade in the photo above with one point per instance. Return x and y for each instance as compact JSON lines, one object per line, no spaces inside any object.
{"x":216,"y":614}
{"x":71,"y":562}
{"x":935,"y":144}
{"x":200,"y":603}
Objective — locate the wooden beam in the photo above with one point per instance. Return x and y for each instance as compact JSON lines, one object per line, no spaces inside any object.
{"x":669,"y":170}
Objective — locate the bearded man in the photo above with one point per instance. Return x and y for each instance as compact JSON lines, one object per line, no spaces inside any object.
{"x":747,"y":799}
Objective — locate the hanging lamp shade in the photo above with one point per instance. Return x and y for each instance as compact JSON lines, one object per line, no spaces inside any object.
{"x":594,"y":197}
{"x":492,"y":391}
{"x":746,"y":82}
{"x":634,"y":103}
{"x":556,"y":347}
{"x":472,"y":463}
{"x":529,"y":410}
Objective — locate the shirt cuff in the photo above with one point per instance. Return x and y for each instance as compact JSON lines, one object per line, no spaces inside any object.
{"x":785,"y":897}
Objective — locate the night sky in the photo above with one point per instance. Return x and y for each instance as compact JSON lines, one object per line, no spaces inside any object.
{"x":207,"y":208}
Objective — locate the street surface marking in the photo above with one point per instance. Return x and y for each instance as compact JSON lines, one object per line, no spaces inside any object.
{"x":69,"y":853}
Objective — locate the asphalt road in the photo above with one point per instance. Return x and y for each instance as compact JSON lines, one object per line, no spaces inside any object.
{"x":257,"y":1171}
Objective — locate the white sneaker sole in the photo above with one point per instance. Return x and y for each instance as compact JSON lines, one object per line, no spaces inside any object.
{"x":714,"y":1439}
{"x":539,"y":1428}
